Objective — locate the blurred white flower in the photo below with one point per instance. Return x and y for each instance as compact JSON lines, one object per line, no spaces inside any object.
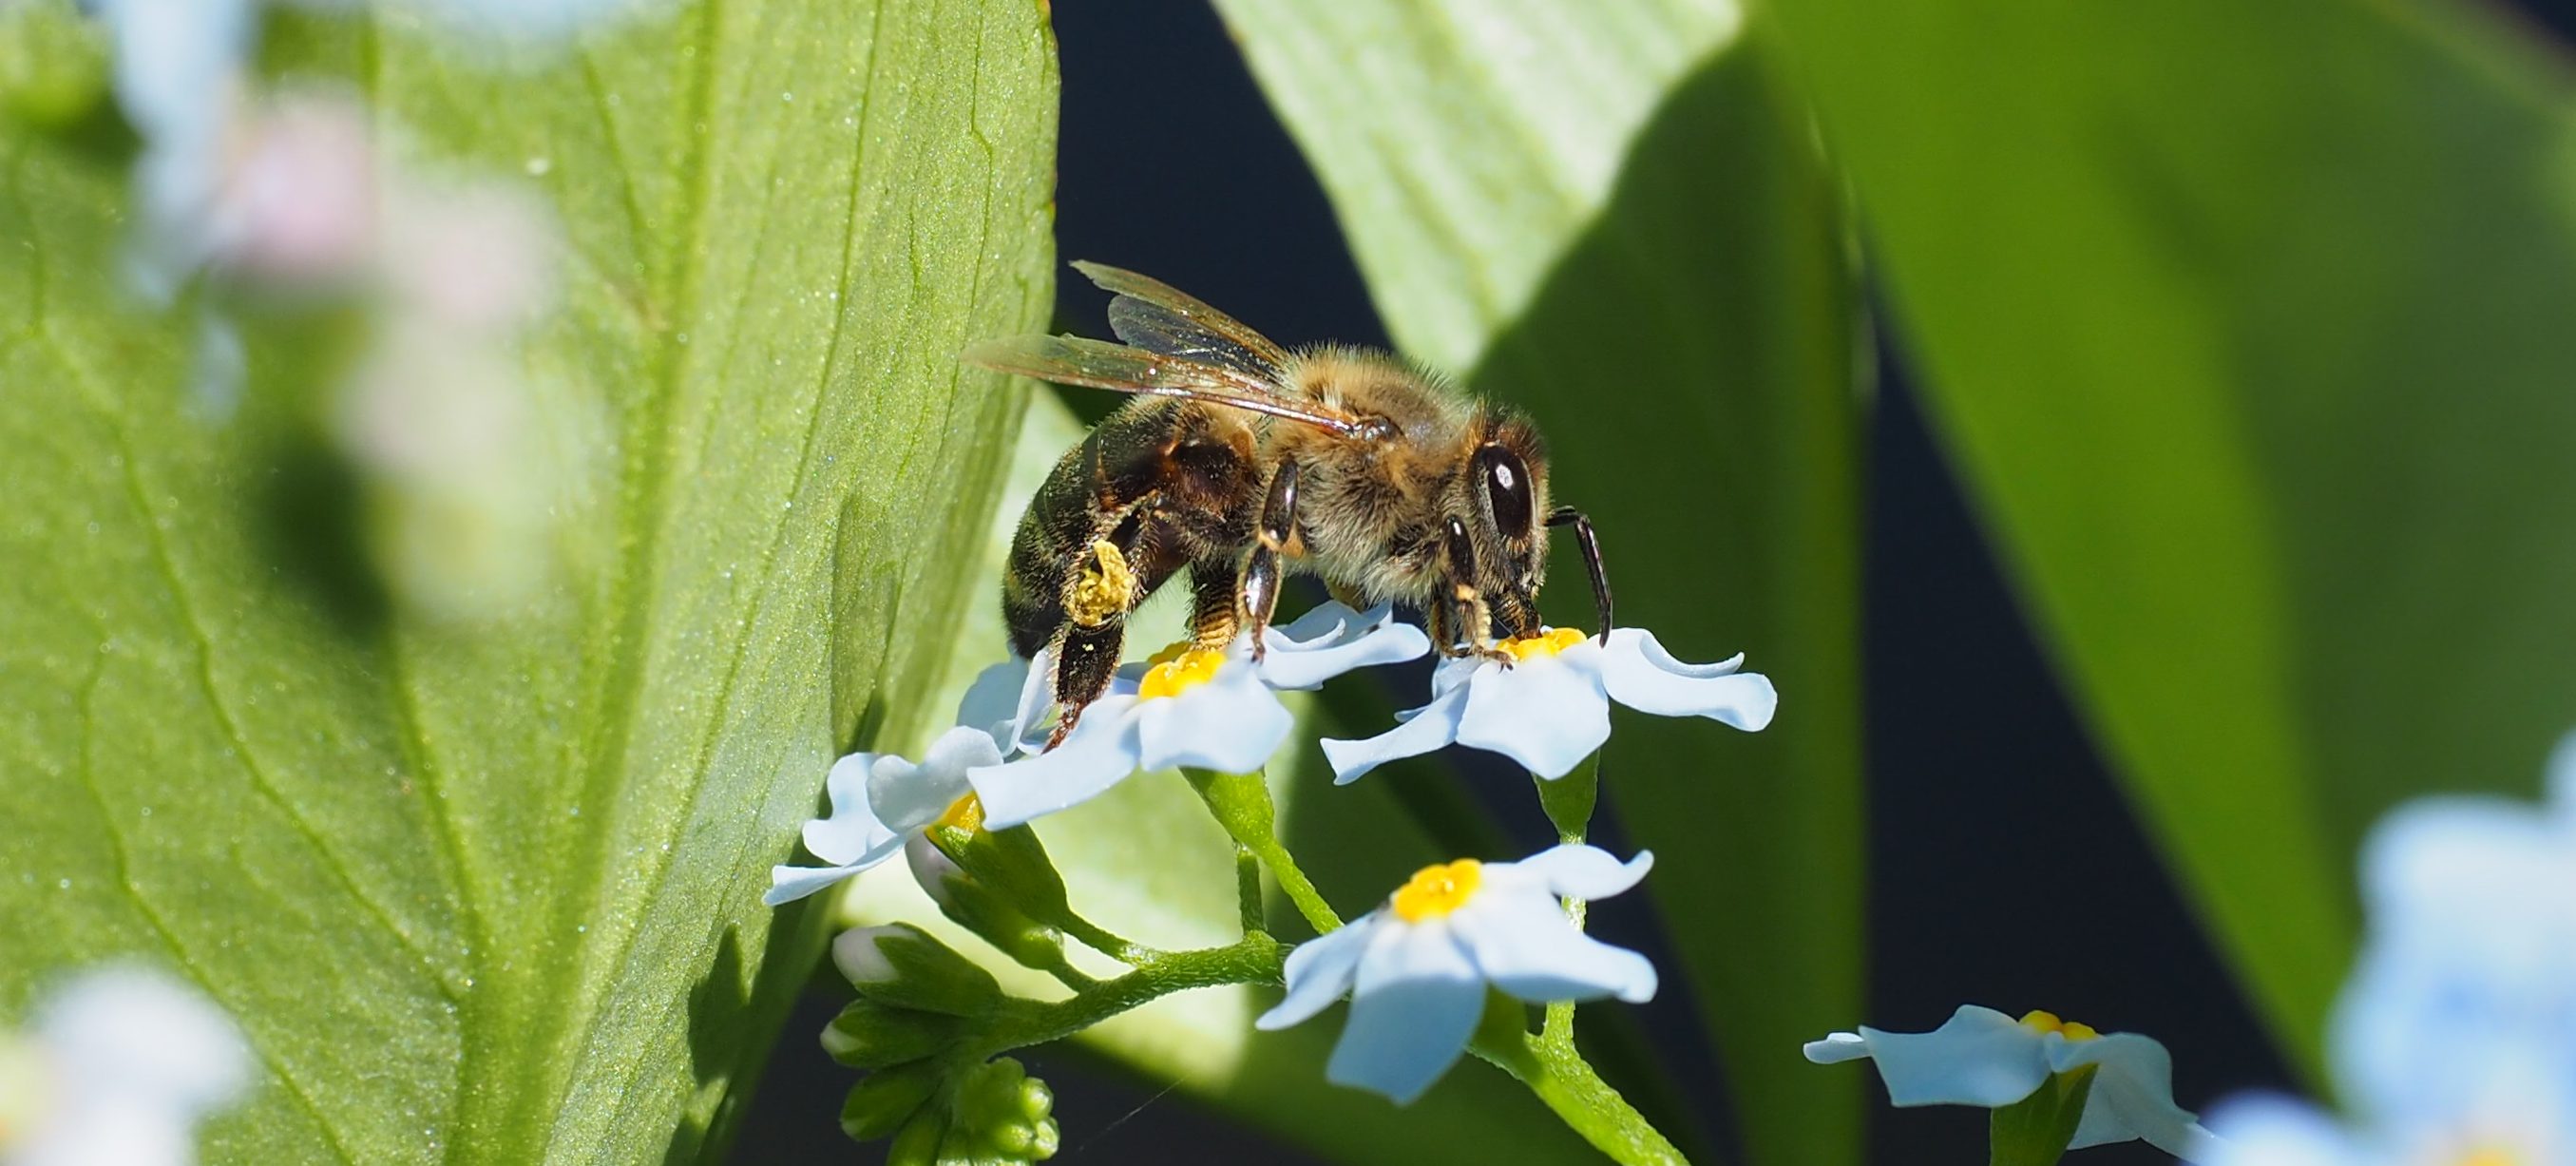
{"x":1984,"y":1058}
{"x":1417,"y":968}
{"x":125,"y":1062}
{"x":296,"y":201}
{"x":1203,"y":708}
{"x":881,"y":802}
{"x":1550,"y":708}
{"x":2456,"y":1035}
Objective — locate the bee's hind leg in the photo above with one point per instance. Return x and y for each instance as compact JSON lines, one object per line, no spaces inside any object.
{"x":1261,"y":570}
{"x":1107,"y":580}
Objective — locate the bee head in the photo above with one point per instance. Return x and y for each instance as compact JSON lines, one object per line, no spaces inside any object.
{"x":1498,"y":522}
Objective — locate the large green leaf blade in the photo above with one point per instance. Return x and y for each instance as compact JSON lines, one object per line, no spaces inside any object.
{"x":492,"y":892}
{"x":1613,"y":217}
{"x":2231,"y":315}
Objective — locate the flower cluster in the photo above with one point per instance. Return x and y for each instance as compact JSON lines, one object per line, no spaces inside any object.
{"x":1440,"y":967}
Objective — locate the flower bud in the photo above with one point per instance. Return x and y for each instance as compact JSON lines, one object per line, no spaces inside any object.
{"x":976,"y":908}
{"x":918,"y":1144}
{"x":883,"y":1101}
{"x":872,"y":1035}
{"x":1001,"y":1111}
{"x":901,"y":965}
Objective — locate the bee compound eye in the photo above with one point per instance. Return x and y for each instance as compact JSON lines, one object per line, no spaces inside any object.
{"x":1507,"y":491}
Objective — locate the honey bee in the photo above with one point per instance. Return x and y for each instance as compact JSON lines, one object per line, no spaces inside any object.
{"x":1241,"y":460}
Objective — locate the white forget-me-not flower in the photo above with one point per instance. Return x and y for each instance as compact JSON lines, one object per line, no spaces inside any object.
{"x":1417,"y":967}
{"x":1982,"y":1057}
{"x":118,"y":1067}
{"x":881,"y":801}
{"x":2455,"y":1039}
{"x":1205,"y":708}
{"x":1550,"y":708}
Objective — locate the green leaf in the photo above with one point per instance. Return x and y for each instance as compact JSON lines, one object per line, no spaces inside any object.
{"x":2231,"y":314}
{"x":1147,"y":861}
{"x":490,"y":891}
{"x":1612,"y":215}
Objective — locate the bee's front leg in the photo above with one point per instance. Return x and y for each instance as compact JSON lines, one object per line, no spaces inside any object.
{"x":1262,"y":568}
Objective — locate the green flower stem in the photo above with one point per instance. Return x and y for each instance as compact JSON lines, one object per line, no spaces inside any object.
{"x":1247,"y":887}
{"x":1562,"y":1080}
{"x":1254,"y":959}
{"x":1241,"y":804}
{"x":1104,"y":941}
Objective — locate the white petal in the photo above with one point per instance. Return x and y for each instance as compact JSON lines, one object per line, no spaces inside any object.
{"x":1427,"y":728}
{"x":2132,"y":1094}
{"x":932,"y":869}
{"x":1291,"y":665}
{"x":1636,"y":671}
{"x":908,"y":798}
{"x":139,"y":1033}
{"x":1836,"y":1048}
{"x":1099,"y":753}
{"x":1575,"y":871}
{"x":2562,"y":781}
{"x":1323,"y":624}
{"x":994,"y":701}
{"x":1547,"y":713}
{"x":852,"y":828}
{"x":790,"y":883}
{"x":1526,"y":946}
{"x":2473,"y":951}
{"x":1231,"y":724}
{"x":2276,"y":1131}
{"x":1415,"y":1004}
{"x":1977,"y":1057}
{"x":111,"y":1130}
{"x":1319,"y":971}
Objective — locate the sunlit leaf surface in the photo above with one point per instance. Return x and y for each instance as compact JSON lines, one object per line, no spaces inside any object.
{"x":489,"y":891}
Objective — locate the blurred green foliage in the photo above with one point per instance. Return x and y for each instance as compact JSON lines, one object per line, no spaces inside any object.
{"x":2243,"y":324}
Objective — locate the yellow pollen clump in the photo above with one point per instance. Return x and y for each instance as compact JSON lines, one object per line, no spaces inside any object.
{"x":2044,"y":1021}
{"x":966,"y":813}
{"x":1438,"y":889}
{"x":1547,"y":643}
{"x":1180,"y":673}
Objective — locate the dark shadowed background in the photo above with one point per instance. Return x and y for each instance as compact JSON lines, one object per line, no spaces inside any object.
{"x":2005,"y":868}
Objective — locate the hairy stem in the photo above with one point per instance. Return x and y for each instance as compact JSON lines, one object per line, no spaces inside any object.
{"x":1241,"y":804}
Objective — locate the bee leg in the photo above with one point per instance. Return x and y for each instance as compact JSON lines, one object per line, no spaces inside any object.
{"x":1105,"y":583}
{"x":1261,"y":570}
{"x":1591,"y":546}
{"x":1215,"y":602}
{"x":1086,"y":660}
{"x":1471,"y":619}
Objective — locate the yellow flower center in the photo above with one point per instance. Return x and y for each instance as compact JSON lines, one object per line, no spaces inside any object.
{"x":966,"y":813}
{"x":1438,"y":889}
{"x":2043,"y":1021}
{"x":1546,"y":643}
{"x":1180,"y":668}
{"x":2491,"y":1156}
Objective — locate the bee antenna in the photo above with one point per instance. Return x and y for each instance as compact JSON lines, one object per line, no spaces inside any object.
{"x":1591,"y":545}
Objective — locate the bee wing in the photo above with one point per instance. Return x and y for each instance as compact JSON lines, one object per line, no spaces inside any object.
{"x":1158,"y":317}
{"x":1074,"y":360}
